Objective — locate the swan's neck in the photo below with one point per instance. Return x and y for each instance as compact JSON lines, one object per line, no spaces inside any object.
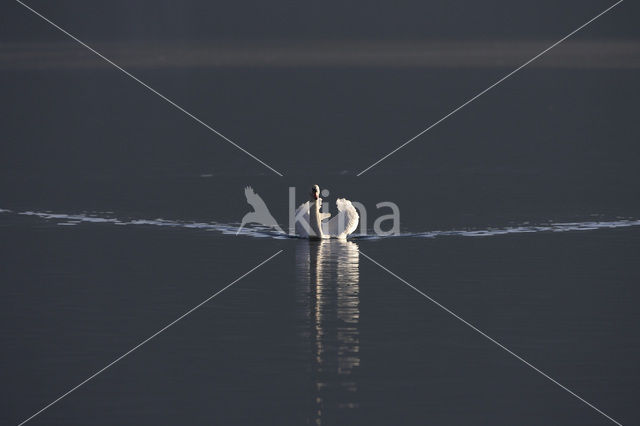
{"x":314,"y":216}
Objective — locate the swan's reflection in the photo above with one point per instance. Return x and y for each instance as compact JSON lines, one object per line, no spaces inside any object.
{"x":328,"y":277}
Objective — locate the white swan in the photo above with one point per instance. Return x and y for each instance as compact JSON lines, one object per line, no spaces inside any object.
{"x":309,"y":223}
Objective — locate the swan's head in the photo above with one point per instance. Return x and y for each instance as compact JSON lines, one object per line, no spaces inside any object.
{"x":315,"y":192}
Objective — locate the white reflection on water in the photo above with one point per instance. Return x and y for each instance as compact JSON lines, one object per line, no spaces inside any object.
{"x":328,"y":279}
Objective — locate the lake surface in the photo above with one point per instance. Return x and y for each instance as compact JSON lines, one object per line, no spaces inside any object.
{"x":519,"y":214}
{"x":319,"y":334}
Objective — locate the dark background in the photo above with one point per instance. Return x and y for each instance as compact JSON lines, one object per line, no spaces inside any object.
{"x":556,"y":142}
{"x":167,"y":20}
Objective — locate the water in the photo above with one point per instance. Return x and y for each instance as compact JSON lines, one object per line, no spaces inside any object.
{"x":259,"y":231}
{"x":328,"y":277}
{"x":520,"y":214}
{"x":318,"y":335}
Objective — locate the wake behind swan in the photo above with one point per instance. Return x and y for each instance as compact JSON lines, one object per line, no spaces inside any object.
{"x":311,"y":221}
{"x":106,"y":218}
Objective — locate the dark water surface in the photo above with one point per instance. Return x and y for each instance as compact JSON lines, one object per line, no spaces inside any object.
{"x":318,"y":335}
{"x":520,"y":214}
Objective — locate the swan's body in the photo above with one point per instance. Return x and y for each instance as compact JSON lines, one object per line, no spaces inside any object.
{"x":311,"y":223}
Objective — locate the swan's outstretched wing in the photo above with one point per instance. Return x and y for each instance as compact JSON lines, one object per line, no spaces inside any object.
{"x":346,"y":221}
{"x":302,"y":213}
